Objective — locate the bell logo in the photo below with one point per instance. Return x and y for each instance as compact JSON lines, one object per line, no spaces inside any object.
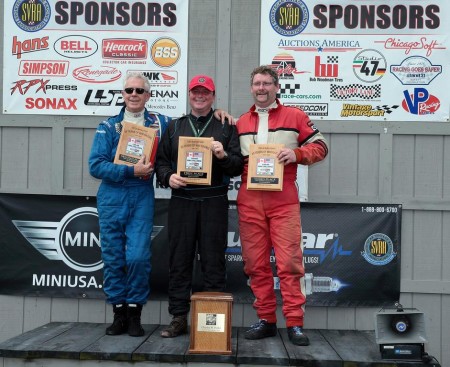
{"x":165,"y":52}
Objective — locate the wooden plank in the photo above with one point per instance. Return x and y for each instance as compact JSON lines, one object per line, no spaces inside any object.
{"x":267,"y":351}
{"x":22,"y":346}
{"x":217,"y":358}
{"x":353,"y":346}
{"x":117,"y":347}
{"x":157,"y":348}
{"x":69,"y":344}
{"x":318,"y":354}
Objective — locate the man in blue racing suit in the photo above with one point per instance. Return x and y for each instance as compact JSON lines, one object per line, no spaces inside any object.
{"x":125,"y":204}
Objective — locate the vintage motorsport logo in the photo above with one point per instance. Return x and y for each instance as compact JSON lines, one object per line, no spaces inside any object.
{"x":289,"y":18}
{"x":378,"y":249}
{"x":31,"y":15}
{"x":75,"y":239}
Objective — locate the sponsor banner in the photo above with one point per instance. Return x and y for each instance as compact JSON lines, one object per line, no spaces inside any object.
{"x":70,"y":58}
{"x":50,"y":246}
{"x":368,"y":59}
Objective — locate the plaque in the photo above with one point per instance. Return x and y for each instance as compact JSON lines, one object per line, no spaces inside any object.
{"x":211,"y":323}
{"x":135,"y":141}
{"x":195,"y":160}
{"x":264,"y":170}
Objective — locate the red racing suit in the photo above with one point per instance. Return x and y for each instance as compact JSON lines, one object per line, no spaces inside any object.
{"x":271,"y":219}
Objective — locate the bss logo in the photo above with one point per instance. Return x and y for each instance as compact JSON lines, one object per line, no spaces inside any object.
{"x":165,"y":52}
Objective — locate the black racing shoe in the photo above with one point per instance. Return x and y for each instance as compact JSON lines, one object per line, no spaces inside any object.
{"x":296,"y":336}
{"x":262,"y":329}
{"x":120,"y":324}
{"x":134,"y":320}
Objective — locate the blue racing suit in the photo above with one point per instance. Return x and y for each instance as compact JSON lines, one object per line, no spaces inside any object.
{"x":125,"y":207}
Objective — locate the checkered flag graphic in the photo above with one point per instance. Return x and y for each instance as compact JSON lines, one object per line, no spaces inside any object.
{"x":289,"y":89}
{"x":360,"y":91}
{"x":332,"y":59}
{"x":386,"y":108}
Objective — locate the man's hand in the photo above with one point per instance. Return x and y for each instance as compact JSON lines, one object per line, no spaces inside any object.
{"x":142,"y":168}
{"x":222,"y":115}
{"x":176,"y":181}
{"x":286,"y":156}
{"x":217,"y":149}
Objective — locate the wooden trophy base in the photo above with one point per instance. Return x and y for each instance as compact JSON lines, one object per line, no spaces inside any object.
{"x":211,"y":323}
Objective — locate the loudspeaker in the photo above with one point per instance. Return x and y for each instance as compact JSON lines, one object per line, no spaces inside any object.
{"x":404,"y":326}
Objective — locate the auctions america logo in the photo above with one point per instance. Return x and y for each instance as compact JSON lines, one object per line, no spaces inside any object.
{"x":75,"y":239}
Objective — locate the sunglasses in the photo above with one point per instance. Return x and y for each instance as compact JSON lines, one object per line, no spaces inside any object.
{"x":131,"y":90}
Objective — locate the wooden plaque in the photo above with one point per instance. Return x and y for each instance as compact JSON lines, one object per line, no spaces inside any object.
{"x":264,"y":170}
{"x":195,"y":160}
{"x":135,"y":141}
{"x":211,"y":323}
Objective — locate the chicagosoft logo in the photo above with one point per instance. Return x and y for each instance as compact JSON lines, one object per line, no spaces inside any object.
{"x":101,"y":74}
{"x":31,"y":15}
{"x":378,"y":249}
{"x":165,"y":52}
{"x":289,"y":18}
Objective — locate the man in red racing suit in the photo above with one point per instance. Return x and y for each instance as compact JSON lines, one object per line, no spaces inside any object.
{"x":271,"y":219}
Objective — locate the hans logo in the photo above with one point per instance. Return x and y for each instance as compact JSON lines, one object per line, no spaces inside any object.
{"x":74,"y":240}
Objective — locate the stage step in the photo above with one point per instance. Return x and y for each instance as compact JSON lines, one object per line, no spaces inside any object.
{"x":77,"y":344}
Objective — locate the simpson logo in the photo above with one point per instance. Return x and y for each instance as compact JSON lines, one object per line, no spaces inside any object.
{"x":31,"y":15}
{"x":289,"y":18}
{"x":74,"y":240}
{"x":43,"y":68}
{"x":124,"y":48}
{"x":29,"y":45}
{"x":75,"y":47}
{"x":165,"y":52}
{"x":159,"y":77}
{"x":101,"y":74}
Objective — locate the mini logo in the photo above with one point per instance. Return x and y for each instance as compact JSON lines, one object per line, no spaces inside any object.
{"x":74,"y":240}
{"x":75,"y":47}
{"x":31,"y":15}
{"x":369,"y":66}
{"x":420,"y":102}
{"x":124,"y":48}
{"x":416,"y":70}
{"x":44,"y":68}
{"x":101,"y":74}
{"x":289,"y":18}
{"x":165,"y":52}
{"x":378,"y":249}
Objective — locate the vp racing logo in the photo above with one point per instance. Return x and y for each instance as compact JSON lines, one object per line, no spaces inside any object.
{"x":75,"y":239}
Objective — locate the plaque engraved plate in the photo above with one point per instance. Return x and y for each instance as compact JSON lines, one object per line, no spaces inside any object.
{"x":195,"y":160}
{"x":264,"y":170}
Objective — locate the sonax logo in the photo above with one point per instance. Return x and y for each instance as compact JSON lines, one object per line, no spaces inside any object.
{"x":124,"y":48}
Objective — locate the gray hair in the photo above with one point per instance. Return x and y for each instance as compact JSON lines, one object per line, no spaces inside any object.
{"x":264,"y":69}
{"x":137,"y":75}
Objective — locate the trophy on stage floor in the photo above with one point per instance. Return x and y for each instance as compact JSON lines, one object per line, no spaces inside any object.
{"x":264,"y":170}
{"x":195,"y":160}
{"x":135,"y":141}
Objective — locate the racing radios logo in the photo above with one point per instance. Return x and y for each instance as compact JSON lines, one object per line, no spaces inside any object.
{"x":74,"y":240}
{"x":31,"y":15}
{"x":378,"y":249}
{"x":289,"y":18}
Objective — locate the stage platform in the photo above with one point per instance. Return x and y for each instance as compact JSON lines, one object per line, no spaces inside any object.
{"x":67,"y":344}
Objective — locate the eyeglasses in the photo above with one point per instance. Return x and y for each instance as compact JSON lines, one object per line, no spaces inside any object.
{"x":265,"y":84}
{"x":138,"y":90}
